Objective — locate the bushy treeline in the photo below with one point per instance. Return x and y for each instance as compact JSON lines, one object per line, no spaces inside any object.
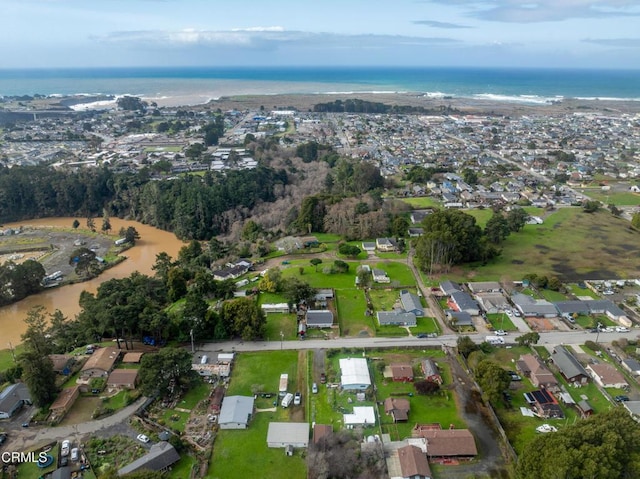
{"x":192,"y":207}
{"x":355,"y":105}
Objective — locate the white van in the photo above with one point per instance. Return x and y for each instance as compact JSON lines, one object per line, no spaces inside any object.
{"x":286,"y":400}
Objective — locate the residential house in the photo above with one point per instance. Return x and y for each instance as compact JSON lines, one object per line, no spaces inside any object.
{"x":485,"y":287}
{"x":12,"y":398}
{"x":62,"y":363}
{"x":607,"y":376}
{"x":430,"y":370}
{"x":161,"y":457}
{"x":64,"y":401}
{"x":283,"y":434}
{"x":236,"y":412}
{"x":569,"y":366}
{"x":354,"y":374}
{"x":492,"y":303}
{"x":231,"y":272}
{"x":397,"y":408}
{"x":584,"y":408}
{"x":411,"y":303}
{"x":100,"y":363}
{"x":530,"y":307}
{"x":531,"y":367}
{"x":461,"y":301}
{"x":369,"y":247}
{"x":448,"y":287}
{"x":361,"y":416}
{"x":396,"y":318}
{"x":400,"y":372}
{"x":415,"y":232}
{"x":123,"y":379}
{"x":380,"y":276}
{"x":544,"y":403}
{"x":418,"y":215}
{"x":413,"y":463}
{"x":632,"y":366}
{"x":319,"y":318}
{"x":459,"y":318}
{"x":446,"y":443}
{"x":386,"y":244}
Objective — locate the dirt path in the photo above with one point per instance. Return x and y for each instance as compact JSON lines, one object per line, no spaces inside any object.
{"x":491,"y":459}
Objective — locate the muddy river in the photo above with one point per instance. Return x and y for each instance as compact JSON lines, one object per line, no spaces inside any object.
{"x":65,"y":298}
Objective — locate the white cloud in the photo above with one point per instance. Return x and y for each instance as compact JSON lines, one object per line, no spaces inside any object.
{"x":533,"y":11}
{"x":435,"y":24}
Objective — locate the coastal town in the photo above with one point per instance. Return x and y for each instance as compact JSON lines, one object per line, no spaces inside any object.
{"x":364,"y":356}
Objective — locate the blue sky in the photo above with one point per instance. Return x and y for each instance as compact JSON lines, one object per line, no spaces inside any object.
{"x":537,"y":33}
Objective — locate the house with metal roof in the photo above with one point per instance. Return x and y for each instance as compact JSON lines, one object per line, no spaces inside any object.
{"x":236,"y":412}
{"x":283,"y":434}
{"x":569,"y":366}
{"x":160,"y":457}
{"x":459,"y":318}
{"x":354,"y":374}
{"x":12,"y":398}
{"x":447,"y":287}
{"x":530,"y":307}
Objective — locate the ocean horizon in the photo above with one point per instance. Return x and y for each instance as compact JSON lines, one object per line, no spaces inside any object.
{"x":193,"y":85}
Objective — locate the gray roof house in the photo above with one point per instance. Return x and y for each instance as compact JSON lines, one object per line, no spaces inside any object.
{"x":396,"y":317}
{"x":459,"y":318}
{"x":465,"y":303}
{"x":283,"y":434}
{"x":161,"y":456}
{"x":632,"y":366}
{"x":447,"y":287}
{"x":569,"y":366}
{"x":236,"y":412}
{"x":534,"y":307}
{"x":411,"y":303}
{"x":12,"y":399}
{"x":319,"y":318}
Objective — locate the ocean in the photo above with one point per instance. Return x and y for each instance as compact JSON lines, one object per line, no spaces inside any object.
{"x":192,"y":85}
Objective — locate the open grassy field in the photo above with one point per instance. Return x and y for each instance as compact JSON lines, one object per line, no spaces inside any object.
{"x":501,"y":321}
{"x":6,"y":357}
{"x":571,"y":244}
{"x":422,"y":202}
{"x":352,"y":305}
{"x":399,"y":273}
{"x":618,"y":198}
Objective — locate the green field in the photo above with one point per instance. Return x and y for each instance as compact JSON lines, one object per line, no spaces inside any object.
{"x":618,"y":198}
{"x":352,"y":305}
{"x":422,"y":202}
{"x":399,"y":273}
{"x":571,"y":244}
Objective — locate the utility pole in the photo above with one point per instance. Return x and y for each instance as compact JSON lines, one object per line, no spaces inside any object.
{"x":193,"y":349}
{"x":281,"y":339}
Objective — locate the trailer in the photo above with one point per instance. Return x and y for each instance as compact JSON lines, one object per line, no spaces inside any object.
{"x":286,"y":400}
{"x":284,"y":384}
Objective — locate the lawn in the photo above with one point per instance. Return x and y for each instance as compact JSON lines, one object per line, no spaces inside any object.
{"x":501,"y":321}
{"x":262,"y":370}
{"x":578,"y":291}
{"x":183,"y":467}
{"x":352,"y":306}
{"x":384,"y":299}
{"x":422,"y":202}
{"x":321,"y":279}
{"x":552,"y":296}
{"x":618,"y":198}
{"x":399,"y":273}
{"x":6,"y":357}
{"x":571,"y":244}
{"x":281,"y":323}
{"x":81,"y":411}
{"x":30,"y":470}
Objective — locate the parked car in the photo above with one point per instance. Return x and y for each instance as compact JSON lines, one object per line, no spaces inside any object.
{"x":621,"y":329}
{"x":314,"y":388}
{"x":501,"y":332}
{"x":422,"y":335}
{"x":64,"y":461}
{"x":621,"y":398}
{"x":142,"y":438}
{"x":323,"y":378}
{"x":516,"y":313}
{"x":75,"y":454}
{"x":64,"y":448}
{"x":297,"y":399}
{"x":3,"y":438}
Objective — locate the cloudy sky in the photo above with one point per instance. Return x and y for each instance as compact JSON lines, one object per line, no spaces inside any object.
{"x":538,"y":33}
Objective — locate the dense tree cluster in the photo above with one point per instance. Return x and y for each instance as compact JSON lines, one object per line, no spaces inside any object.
{"x":605,"y":446}
{"x":355,"y":105}
{"x":17,"y":281}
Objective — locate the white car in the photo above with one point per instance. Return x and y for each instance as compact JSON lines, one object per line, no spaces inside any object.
{"x":509,"y":312}
{"x":546,"y":428}
{"x":297,"y":399}
{"x":64,"y":449}
{"x":621,"y":329}
{"x":516,"y":313}
{"x":142,"y":438}
{"x":501,"y":332}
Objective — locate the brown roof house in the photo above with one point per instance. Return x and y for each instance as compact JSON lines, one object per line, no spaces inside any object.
{"x":413,"y":463}
{"x":62,"y":363}
{"x":447,"y":443}
{"x":132,"y":357}
{"x":64,"y":401}
{"x":531,"y":367}
{"x":123,"y":379}
{"x":607,"y":376}
{"x":401,"y":372}
{"x":100,"y":363}
{"x":430,"y":371}
{"x":397,"y":408}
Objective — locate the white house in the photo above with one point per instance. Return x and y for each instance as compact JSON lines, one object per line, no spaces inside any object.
{"x":354,"y":374}
{"x":380,"y":276}
{"x":362,"y":416}
{"x":236,"y":412}
{"x":283,"y":434}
